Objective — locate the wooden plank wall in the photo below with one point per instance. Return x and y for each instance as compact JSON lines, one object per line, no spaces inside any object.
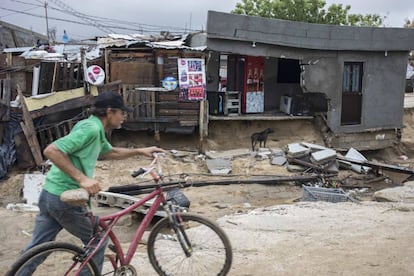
{"x":159,"y":106}
{"x":68,"y":76}
{"x":169,"y":106}
{"x":5,"y":93}
{"x":46,"y":134}
{"x":133,"y":72}
{"x":132,"y":66}
{"x":59,"y":76}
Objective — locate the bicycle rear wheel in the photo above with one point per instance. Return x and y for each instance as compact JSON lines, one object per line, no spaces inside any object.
{"x":52,"y":258}
{"x":210,"y":250}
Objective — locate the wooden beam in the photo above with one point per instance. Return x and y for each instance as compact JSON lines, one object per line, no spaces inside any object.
{"x":46,"y":100}
{"x":131,"y":55}
{"x":54,"y":77}
{"x":172,"y":112}
{"x":107,"y":73}
{"x":29,"y":131}
{"x":5,"y":94}
{"x":66,"y":105}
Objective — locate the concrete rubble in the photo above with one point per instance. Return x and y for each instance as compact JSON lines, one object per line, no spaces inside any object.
{"x":312,"y":157}
{"x":218,"y":166}
{"x":403,"y":193}
{"x":301,"y":157}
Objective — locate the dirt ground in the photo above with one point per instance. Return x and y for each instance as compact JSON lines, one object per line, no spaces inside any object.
{"x":270,"y":231}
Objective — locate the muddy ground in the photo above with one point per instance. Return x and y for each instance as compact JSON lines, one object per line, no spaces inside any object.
{"x":271,"y":232}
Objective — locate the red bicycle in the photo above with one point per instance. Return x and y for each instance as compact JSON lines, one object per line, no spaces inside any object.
{"x":179,"y":244}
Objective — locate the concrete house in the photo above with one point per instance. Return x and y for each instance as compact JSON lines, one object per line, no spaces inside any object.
{"x":353,"y":78}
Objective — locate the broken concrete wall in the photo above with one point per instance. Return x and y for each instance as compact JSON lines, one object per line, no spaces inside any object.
{"x":372,"y":140}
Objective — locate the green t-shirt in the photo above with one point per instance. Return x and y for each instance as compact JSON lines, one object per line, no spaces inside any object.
{"x":83,"y":145}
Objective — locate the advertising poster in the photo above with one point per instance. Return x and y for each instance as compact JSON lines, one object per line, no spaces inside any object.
{"x":192,"y":79}
{"x":254,"y":91}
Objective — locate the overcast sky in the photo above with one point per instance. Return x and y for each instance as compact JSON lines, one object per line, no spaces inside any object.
{"x":152,"y":16}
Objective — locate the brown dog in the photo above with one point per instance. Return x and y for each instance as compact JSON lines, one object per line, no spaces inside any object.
{"x":260,"y":137}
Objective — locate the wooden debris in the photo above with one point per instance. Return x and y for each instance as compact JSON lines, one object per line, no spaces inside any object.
{"x":5,"y":94}
{"x":29,"y":131}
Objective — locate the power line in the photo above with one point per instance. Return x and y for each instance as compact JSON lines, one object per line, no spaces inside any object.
{"x":18,"y":12}
{"x":139,"y":27}
{"x":81,"y":16}
{"x":113,"y":20}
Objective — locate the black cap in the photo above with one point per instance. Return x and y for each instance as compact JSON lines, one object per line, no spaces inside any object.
{"x":109,"y":99}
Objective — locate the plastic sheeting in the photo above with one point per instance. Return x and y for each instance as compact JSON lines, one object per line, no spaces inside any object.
{"x":8,"y":147}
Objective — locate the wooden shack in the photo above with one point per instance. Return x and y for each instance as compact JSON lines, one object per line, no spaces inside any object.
{"x":136,"y":71}
{"x":141,"y":69}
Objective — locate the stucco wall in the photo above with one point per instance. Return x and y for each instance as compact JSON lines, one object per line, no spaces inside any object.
{"x":383,"y":86}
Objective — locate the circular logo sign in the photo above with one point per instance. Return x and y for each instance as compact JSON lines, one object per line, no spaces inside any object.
{"x":169,"y":83}
{"x":95,"y":75}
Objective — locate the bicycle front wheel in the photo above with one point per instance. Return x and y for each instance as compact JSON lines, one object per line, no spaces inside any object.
{"x":52,"y":258}
{"x":197,"y":246}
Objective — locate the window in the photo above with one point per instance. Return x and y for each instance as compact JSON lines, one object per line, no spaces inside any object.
{"x":288,"y":71}
{"x":352,"y":78}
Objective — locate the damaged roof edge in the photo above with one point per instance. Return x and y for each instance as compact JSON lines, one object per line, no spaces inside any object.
{"x":307,"y":35}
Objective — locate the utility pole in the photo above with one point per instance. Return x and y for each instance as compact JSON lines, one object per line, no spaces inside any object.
{"x":47,"y":23}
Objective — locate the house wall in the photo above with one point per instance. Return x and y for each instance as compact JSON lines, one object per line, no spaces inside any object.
{"x":12,"y":36}
{"x":273,"y":90}
{"x":383,"y":88}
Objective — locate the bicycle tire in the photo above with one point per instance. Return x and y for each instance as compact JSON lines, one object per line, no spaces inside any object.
{"x":58,"y":258}
{"x":211,"y":249}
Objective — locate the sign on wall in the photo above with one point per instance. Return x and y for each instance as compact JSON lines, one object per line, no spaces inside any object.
{"x":169,"y":83}
{"x":192,"y":79}
{"x":95,"y":75}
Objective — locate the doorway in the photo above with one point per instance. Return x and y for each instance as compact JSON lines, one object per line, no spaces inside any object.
{"x":352,"y":93}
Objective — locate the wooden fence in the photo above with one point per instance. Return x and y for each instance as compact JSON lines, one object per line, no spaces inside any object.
{"x":156,"y":105}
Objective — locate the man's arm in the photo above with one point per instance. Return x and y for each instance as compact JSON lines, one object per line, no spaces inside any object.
{"x":122,"y":153}
{"x":63,"y":162}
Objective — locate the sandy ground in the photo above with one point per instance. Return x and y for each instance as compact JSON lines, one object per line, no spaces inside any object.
{"x":271,"y":233}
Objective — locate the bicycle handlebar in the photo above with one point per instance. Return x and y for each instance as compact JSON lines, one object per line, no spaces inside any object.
{"x":142,"y":171}
{"x":138,"y":172}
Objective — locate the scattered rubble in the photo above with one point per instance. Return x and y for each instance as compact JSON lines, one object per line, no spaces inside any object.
{"x":315,"y":167}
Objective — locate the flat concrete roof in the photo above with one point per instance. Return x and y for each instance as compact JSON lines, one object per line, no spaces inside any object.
{"x":307,"y":35}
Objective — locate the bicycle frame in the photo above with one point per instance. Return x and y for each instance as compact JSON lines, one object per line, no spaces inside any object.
{"x":205,"y":249}
{"x":107,"y":222}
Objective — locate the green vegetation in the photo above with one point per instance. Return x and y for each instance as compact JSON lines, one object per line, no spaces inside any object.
{"x":312,"y":11}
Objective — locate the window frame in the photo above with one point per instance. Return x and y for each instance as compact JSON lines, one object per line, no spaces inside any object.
{"x":352,"y":77}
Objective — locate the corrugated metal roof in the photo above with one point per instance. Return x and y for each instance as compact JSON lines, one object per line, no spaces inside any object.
{"x":175,"y":44}
{"x":17,"y":50}
{"x":72,"y":52}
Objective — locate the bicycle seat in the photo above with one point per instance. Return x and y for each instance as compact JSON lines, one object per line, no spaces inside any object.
{"x":75,"y":197}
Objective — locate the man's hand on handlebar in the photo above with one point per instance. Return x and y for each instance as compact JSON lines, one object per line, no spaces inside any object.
{"x":150,"y":151}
